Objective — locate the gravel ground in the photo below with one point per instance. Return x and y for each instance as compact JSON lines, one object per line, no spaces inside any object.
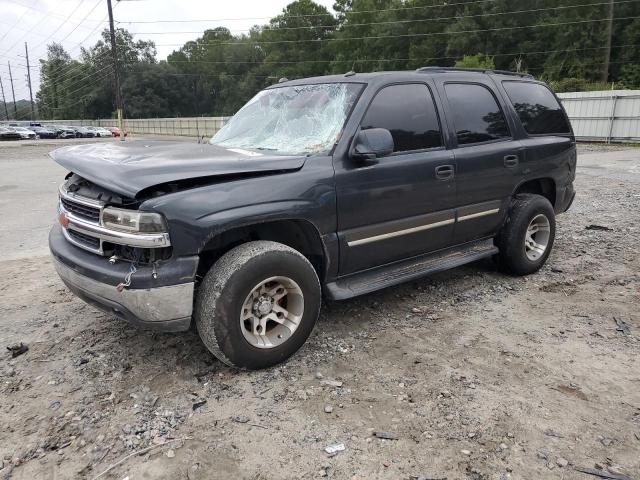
{"x":472,"y":374}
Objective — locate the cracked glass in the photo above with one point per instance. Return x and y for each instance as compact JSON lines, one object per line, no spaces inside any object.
{"x":296,"y":120}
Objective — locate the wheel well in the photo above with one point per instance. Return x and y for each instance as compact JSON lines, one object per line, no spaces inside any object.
{"x":540,"y":186}
{"x":297,"y":234}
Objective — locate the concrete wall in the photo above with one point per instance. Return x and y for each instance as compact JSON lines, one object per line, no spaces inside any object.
{"x":184,"y":126}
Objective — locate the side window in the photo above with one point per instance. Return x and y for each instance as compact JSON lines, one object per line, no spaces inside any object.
{"x":409,"y":113}
{"x":539,"y":111}
{"x":476,"y":114}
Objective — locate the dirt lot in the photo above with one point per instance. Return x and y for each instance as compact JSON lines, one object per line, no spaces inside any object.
{"x":477,"y":375}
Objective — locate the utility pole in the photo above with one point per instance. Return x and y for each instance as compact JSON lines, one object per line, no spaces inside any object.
{"x":607,"y":48}
{"x":116,"y":71}
{"x":26,"y":51}
{"x":4,"y":101}
{"x":15,"y":108}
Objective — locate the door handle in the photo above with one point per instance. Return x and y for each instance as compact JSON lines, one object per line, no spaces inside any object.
{"x":445,"y":172}
{"x":511,"y":161}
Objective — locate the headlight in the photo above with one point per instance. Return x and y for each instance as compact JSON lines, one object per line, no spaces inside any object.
{"x":133,"y":221}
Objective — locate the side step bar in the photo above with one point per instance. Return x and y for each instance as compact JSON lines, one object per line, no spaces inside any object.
{"x":410,"y":269}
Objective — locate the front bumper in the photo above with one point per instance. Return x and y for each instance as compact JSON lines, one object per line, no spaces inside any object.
{"x":161,"y":303}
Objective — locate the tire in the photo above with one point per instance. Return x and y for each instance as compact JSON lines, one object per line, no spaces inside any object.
{"x":224,"y":296}
{"x":518,"y":256}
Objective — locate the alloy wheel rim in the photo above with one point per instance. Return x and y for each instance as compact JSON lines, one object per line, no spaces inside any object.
{"x":536,"y":239}
{"x":271,"y":312}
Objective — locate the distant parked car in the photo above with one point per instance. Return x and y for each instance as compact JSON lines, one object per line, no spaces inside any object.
{"x":25,"y":133}
{"x":76,"y":130}
{"x":103,"y":132}
{"x":100,"y":131}
{"x":66,"y":132}
{"x":45,"y":132}
{"x":86,"y":132}
{"x":9,"y":134}
{"x":115,"y":131}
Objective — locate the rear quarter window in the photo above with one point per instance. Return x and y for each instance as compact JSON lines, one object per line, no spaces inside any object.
{"x":537,"y":108}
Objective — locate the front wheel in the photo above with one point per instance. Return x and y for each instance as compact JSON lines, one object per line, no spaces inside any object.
{"x":526,"y":239}
{"x":257,"y":305}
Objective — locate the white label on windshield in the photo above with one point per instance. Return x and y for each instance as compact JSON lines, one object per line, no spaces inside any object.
{"x":245,"y":152}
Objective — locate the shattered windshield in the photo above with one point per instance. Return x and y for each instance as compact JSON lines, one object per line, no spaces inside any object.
{"x":296,"y":120}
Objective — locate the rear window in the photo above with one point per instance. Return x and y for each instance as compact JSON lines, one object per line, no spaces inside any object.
{"x":538,"y":109}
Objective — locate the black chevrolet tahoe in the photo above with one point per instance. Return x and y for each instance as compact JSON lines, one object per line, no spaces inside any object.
{"x":338,"y":185}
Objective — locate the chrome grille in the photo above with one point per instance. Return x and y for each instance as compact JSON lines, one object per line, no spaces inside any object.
{"x":80,"y":217}
{"x":81,"y":210}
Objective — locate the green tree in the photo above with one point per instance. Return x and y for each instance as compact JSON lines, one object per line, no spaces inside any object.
{"x":476,"y":61}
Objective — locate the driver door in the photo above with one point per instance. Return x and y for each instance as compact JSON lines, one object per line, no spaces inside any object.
{"x":401,"y":205}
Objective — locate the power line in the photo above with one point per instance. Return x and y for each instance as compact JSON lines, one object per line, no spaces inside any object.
{"x":374,"y":23}
{"x":66,"y":77}
{"x":30,"y":32}
{"x":79,"y":44}
{"x":46,"y":105}
{"x":374,"y":60}
{"x":74,"y":91}
{"x":351,"y":12}
{"x":60,"y":26}
{"x":401,"y":35}
{"x":69,"y":75}
{"x":48,"y":13}
{"x":16,"y":23}
{"x":81,"y":21}
{"x":421,"y":20}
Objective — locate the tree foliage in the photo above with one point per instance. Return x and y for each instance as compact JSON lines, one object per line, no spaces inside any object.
{"x":476,"y":61}
{"x":559,"y":41}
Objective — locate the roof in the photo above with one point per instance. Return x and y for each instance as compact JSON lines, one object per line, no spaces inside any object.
{"x":402,"y":75}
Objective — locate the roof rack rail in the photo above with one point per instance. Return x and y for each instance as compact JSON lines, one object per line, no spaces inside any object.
{"x":478,"y":70}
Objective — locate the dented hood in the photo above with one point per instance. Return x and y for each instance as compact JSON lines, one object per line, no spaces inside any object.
{"x":130,"y":167}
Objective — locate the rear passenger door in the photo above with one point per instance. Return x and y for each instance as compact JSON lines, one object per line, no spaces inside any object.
{"x":487,"y":156}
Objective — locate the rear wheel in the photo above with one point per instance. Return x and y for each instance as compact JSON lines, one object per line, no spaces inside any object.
{"x":258,"y":304}
{"x":526,"y":239}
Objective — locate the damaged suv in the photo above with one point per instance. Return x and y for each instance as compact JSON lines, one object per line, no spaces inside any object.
{"x":340,"y":185}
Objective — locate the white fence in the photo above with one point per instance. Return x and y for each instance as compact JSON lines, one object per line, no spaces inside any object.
{"x":604,"y":116}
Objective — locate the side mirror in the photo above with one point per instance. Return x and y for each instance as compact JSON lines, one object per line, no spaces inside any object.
{"x":373,"y":143}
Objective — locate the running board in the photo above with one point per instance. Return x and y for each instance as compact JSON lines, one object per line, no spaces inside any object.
{"x":406,"y":270}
